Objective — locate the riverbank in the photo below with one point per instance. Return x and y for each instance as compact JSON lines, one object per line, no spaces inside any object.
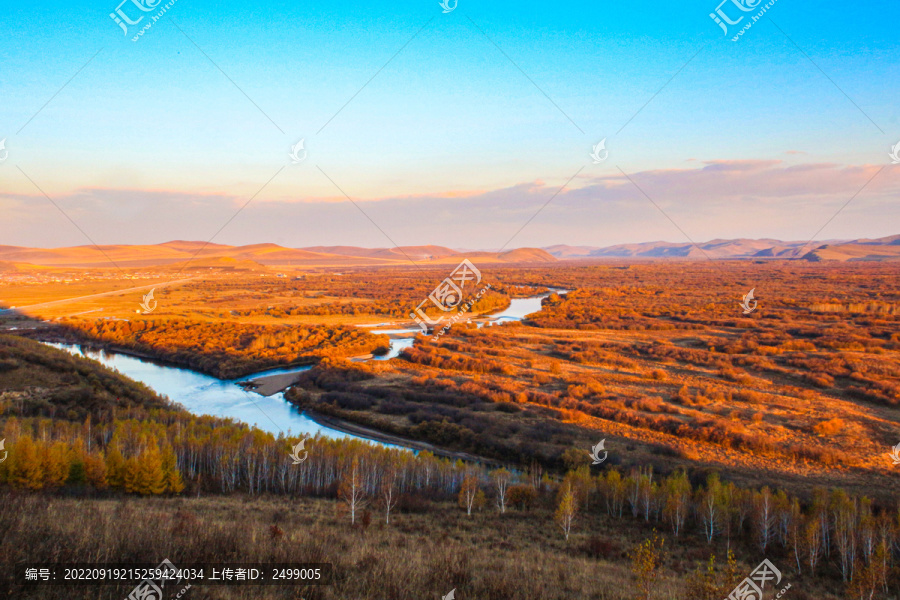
{"x":376,"y":435}
{"x":53,"y":335}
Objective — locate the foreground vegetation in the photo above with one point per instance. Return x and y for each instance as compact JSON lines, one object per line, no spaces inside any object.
{"x":358,"y":505}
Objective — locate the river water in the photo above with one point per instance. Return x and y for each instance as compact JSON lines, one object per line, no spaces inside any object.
{"x":206,"y":395}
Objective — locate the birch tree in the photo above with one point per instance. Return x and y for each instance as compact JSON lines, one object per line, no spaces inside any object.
{"x":351,"y":490}
{"x":566,"y":510}
{"x":502,"y":479}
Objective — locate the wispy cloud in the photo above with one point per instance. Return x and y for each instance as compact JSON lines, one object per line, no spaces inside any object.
{"x":721,"y":198}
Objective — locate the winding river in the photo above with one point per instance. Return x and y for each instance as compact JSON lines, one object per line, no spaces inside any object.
{"x":206,"y":395}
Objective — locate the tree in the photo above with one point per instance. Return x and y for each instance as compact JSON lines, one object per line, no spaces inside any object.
{"x":576,"y":457}
{"x":582,"y":484}
{"x":677,"y":490}
{"x":57,"y":464}
{"x":812,"y":541}
{"x":468,"y":492}
{"x":95,"y":470}
{"x":388,"y":491}
{"x":843,"y":511}
{"x":795,"y":534}
{"x":646,"y":560}
{"x":869,"y":579}
{"x":171,"y":475}
{"x":26,"y":469}
{"x":566,"y":510}
{"x":709,"y":585}
{"x":115,"y":466}
{"x":144,"y":474}
{"x":711,"y":501}
{"x":764,"y":517}
{"x":614,"y":490}
{"x":646,"y":490}
{"x":351,"y":489}
{"x":521,"y":496}
{"x":502,"y":479}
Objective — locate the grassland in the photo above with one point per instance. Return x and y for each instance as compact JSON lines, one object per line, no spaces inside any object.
{"x":429,"y":549}
{"x":656,"y":358}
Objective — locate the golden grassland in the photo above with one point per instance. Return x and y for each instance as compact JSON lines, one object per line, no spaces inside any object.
{"x":427,"y":550}
{"x":524,"y":393}
{"x":656,"y":356}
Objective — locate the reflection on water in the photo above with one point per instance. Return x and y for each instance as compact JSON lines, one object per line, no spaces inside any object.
{"x":205,"y":395}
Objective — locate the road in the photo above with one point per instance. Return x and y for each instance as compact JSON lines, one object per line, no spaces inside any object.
{"x":92,"y":296}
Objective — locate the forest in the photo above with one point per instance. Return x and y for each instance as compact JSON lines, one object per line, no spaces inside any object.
{"x":227,"y":350}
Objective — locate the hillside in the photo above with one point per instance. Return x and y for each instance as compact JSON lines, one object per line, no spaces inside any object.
{"x":399,"y":253}
{"x":42,"y":381}
{"x":191,"y":255}
{"x":863,"y":249}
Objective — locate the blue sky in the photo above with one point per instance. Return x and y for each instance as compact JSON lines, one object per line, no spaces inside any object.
{"x":450,"y":143}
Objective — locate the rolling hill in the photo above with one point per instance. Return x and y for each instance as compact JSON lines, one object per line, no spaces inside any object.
{"x":886,"y":248}
{"x":186,"y":255}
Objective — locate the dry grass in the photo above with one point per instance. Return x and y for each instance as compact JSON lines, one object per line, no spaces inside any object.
{"x":423,"y":554}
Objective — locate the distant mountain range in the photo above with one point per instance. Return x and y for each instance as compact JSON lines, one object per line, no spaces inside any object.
{"x":256,"y":256}
{"x":886,"y":248}
{"x":178,"y":254}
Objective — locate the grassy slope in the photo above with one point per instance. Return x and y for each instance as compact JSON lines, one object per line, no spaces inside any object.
{"x":422,"y":554}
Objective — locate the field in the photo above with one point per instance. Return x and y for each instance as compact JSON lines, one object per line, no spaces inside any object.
{"x":793,"y":407}
{"x":427,"y":550}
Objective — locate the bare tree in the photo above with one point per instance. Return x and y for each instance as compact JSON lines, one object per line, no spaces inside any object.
{"x":764,"y":517}
{"x":351,"y":489}
{"x":843,"y":511}
{"x":388,"y":490}
{"x":812,"y":537}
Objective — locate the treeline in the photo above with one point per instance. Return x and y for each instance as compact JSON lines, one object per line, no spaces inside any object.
{"x":47,"y":455}
{"x":831,"y":532}
{"x":209,"y":455}
{"x":230,"y":350}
